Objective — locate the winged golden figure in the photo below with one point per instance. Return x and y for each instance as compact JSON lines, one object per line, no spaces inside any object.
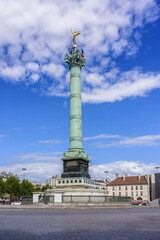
{"x":75,"y":34}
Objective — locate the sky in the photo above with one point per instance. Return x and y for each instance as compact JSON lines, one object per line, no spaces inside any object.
{"x":120,"y":85}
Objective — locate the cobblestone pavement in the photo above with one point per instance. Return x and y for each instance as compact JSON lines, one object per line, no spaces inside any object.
{"x":90,"y":224}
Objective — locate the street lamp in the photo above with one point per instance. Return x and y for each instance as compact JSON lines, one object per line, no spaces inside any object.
{"x":23,"y":169}
{"x":106,"y":175}
{"x":157,"y":168}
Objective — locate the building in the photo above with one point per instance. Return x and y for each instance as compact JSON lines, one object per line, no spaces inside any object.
{"x":38,"y":184}
{"x":154,"y":185}
{"x":136,"y":187}
{"x":52,"y":181}
{"x":99,"y":183}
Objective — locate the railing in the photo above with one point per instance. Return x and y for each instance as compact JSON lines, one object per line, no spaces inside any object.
{"x":94,"y":199}
{"x":46,"y":199}
{"x":27,"y":199}
{"x":85,"y":199}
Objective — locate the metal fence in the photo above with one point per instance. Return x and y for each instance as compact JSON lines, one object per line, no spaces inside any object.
{"x":85,"y":199}
{"x":27,"y":199}
{"x":94,"y":199}
{"x":46,"y":199}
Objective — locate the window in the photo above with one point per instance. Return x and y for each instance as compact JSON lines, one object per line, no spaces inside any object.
{"x":141,"y":193}
{"x":79,"y":181}
{"x":59,"y":182}
{"x":75,"y":181}
{"x":136,"y":193}
{"x":136,"y":187}
{"x":131,"y":187}
{"x":132,"y":194}
{"x":126,"y":188}
{"x":63,"y":182}
{"x":119,"y":193}
{"x":71,"y":181}
{"x":113,"y":193}
{"x":119,"y":187}
{"x":67,"y":181}
{"x":126,"y":194}
{"x":141,"y":187}
{"x":113,"y":188}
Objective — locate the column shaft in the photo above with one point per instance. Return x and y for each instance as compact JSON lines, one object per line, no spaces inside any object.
{"x":75,"y":109}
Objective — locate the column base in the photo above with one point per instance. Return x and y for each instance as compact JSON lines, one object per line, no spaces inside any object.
{"x":75,"y":153}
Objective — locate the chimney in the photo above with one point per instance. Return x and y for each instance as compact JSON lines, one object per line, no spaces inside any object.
{"x":117,"y":175}
{"x":124,"y":176}
{"x":139,"y":177}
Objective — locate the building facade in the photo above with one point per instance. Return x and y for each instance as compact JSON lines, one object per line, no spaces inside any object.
{"x":99,"y":183}
{"x":136,"y":187}
{"x":154,"y":186}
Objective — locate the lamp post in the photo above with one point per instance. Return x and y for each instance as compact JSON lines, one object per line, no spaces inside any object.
{"x":106,"y":176}
{"x":23,"y":169}
{"x":157,"y":168}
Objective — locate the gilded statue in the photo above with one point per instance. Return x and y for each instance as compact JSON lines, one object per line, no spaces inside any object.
{"x":75,"y":34}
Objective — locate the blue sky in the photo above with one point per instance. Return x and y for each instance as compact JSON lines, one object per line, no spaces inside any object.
{"x":120,"y":85}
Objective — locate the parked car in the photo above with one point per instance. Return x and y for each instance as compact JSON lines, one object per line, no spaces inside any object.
{"x":137,"y":203}
{"x":16,"y":203}
{"x":145,"y":204}
{"x":9,"y":202}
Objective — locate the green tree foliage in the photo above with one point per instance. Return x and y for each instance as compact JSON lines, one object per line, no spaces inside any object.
{"x":45,"y":188}
{"x":37,"y":189}
{"x":2,"y":187}
{"x":13,"y":187}
{"x":27,"y":188}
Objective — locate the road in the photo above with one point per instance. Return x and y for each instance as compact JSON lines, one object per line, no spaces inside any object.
{"x":74,"y":224}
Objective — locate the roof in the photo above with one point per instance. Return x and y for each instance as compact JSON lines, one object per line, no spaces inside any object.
{"x":132,"y":180}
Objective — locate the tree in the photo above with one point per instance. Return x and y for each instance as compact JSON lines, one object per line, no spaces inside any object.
{"x":37,"y":189}
{"x":45,"y":187}
{"x":12,"y":187}
{"x":27,"y":188}
{"x":2,"y":187}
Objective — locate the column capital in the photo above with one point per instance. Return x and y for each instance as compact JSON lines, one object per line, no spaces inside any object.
{"x":75,"y":59}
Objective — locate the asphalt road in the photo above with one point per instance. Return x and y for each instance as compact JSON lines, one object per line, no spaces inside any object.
{"x":47,"y":224}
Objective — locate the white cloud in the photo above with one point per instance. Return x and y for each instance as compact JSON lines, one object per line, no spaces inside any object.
{"x":2,"y":135}
{"x":38,"y":156}
{"x":32,"y":66}
{"x":123,"y":141}
{"x":14,"y":72}
{"x":130,"y":84}
{"x":51,"y":141}
{"x":54,"y":70}
{"x":101,"y":136}
{"x":130,"y":167}
{"x":40,"y":171}
{"x":36,"y":172}
{"x":36,"y":35}
{"x":39,"y":166}
{"x":148,"y":140}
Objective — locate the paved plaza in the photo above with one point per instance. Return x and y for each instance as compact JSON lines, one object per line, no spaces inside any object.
{"x":78,"y":224}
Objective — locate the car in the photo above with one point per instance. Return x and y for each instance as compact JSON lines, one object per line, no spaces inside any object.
{"x":9,"y":202}
{"x":137,"y":203}
{"x":145,"y":204}
{"x":16,"y":203}
{"x":2,"y":202}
